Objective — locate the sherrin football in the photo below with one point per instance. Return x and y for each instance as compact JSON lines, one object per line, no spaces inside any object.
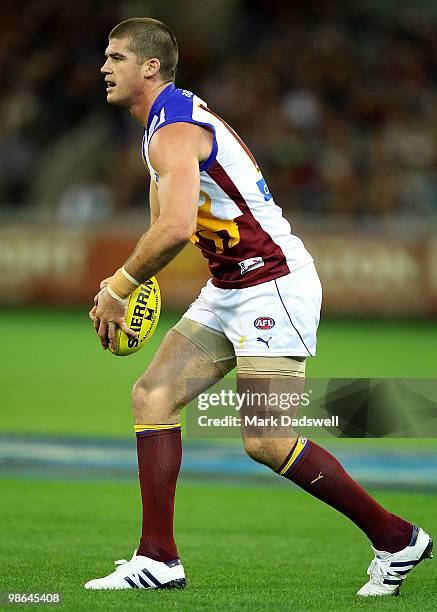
{"x":143,"y":311}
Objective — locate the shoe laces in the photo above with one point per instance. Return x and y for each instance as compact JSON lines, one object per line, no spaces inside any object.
{"x":124,"y":562}
{"x":380,"y":569}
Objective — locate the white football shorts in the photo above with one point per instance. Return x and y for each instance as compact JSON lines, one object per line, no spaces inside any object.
{"x":276,"y":318}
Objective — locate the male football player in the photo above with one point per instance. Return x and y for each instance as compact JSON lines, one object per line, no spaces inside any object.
{"x":258,"y":312}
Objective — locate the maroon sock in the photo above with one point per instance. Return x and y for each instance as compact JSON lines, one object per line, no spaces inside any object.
{"x":159,"y":461}
{"x":320,"y":474}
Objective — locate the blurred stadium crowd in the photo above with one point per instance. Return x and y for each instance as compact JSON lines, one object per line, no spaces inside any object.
{"x":338,"y":101}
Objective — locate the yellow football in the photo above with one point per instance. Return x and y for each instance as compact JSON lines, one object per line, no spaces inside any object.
{"x":142,"y":317}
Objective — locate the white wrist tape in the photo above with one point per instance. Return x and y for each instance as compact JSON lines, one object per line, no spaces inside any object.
{"x":122,"y":284}
{"x":129,"y":277}
{"x":116,"y":296}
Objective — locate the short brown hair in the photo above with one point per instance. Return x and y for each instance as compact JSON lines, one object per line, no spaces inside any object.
{"x":150,"y":38}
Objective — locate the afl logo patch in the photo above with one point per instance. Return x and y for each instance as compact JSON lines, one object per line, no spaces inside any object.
{"x":264,"y":323}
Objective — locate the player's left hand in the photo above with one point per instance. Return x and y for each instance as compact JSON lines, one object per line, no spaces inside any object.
{"x":108,"y":314}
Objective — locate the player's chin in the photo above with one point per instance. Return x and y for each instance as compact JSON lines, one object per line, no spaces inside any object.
{"x":113,"y":98}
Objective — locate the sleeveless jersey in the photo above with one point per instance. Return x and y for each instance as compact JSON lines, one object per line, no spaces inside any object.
{"x":240,"y":230}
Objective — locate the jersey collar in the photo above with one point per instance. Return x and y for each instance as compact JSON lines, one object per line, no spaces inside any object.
{"x":159,"y":103}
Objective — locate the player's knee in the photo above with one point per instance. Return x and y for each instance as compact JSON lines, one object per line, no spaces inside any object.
{"x":147,"y":396}
{"x":257,"y":449}
{"x":139,"y":395}
{"x":267,"y":450}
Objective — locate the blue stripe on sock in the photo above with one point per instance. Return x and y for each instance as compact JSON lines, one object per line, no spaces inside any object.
{"x":414,"y":534}
{"x":146,"y":432}
{"x":287,"y":458}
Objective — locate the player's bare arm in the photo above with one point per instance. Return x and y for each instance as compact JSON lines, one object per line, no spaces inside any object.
{"x":175,"y":153}
{"x":154,"y":213}
{"x":153,"y":202}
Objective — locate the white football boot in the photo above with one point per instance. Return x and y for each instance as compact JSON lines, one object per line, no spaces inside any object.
{"x":387,"y":571}
{"x":142,"y":573}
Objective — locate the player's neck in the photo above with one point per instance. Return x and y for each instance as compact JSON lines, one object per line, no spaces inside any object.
{"x":140,"y":108}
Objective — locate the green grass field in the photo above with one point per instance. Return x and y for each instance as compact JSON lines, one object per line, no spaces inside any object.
{"x":56,"y":379}
{"x":245,"y":548}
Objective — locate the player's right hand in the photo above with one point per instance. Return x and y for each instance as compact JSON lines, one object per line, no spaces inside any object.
{"x":92,"y":312}
{"x":110,"y":314}
{"x":105,"y":282}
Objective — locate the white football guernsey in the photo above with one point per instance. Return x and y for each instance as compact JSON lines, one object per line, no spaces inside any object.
{"x":240,"y":229}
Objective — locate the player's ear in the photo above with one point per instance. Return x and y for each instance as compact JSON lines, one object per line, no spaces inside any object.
{"x":151,"y":66}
